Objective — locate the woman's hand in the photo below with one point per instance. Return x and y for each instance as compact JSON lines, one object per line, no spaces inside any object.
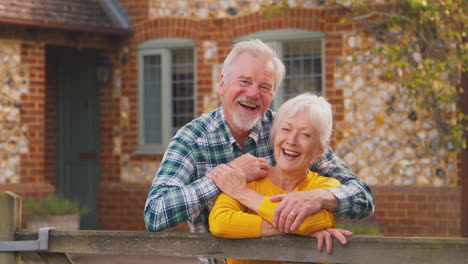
{"x":294,"y":207}
{"x":326,"y":235}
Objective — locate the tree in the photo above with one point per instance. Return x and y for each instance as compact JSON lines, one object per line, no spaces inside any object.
{"x":426,"y":49}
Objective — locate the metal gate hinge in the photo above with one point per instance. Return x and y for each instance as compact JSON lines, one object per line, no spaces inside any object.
{"x":42,"y":243}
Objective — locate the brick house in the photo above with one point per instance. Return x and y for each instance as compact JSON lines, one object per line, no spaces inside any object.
{"x":107,"y":65}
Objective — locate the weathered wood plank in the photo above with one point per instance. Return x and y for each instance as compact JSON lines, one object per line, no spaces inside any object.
{"x":10,"y":221}
{"x":360,"y":249}
{"x":54,"y":258}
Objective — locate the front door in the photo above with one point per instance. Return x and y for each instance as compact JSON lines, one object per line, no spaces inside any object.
{"x":78,"y":127}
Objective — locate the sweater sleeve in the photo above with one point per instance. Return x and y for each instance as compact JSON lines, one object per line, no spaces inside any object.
{"x":318,"y":221}
{"x":229,"y":219}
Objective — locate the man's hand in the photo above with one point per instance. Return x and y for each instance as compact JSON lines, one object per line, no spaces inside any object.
{"x":253,"y":167}
{"x":327,"y":234}
{"x":296,"y":206}
{"x":229,"y":179}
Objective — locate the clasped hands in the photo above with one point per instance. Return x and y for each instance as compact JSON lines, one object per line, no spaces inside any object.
{"x":233,"y":178}
{"x":293,"y":207}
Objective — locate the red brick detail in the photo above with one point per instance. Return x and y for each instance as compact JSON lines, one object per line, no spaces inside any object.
{"x":51,"y":117}
{"x":121,"y":207}
{"x":463,"y":161}
{"x":109,"y":110}
{"x":33,"y":113}
{"x":419,"y":211}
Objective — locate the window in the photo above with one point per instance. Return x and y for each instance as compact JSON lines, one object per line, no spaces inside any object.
{"x":302,"y":53}
{"x":166,"y":91}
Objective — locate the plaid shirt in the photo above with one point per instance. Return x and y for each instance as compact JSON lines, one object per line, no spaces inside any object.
{"x":180,"y":191}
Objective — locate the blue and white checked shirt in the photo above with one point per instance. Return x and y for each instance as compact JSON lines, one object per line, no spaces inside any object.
{"x":180,"y":191}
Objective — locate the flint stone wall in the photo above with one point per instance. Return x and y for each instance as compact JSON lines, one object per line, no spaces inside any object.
{"x":13,"y":134}
{"x":385,"y":141}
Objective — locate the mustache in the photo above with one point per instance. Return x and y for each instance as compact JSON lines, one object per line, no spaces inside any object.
{"x":246,"y":100}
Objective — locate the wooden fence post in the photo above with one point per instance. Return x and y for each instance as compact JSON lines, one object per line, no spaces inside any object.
{"x":10,"y":221}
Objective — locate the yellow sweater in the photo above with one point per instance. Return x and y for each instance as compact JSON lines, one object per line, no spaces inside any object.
{"x":230,"y":219}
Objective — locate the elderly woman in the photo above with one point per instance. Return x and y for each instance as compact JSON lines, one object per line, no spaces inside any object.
{"x":300,"y":132}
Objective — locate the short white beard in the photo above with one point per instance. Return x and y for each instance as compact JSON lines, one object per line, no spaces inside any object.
{"x":245,"y":121}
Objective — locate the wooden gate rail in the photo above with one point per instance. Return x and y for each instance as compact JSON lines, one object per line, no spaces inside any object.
{"x":293,"y":248}
{"x":360,"y":249}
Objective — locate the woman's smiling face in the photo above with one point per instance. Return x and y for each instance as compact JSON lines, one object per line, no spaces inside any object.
{"x":296,"y":143}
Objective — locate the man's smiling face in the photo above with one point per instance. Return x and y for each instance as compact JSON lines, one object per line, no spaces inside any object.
{"x":248,"y":91}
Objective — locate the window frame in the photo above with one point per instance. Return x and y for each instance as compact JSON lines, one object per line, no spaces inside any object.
{"x":163,"y":47}
{"x":275,"y":39}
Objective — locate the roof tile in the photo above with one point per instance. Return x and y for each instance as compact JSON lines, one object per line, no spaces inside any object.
{"x":87,"y":13}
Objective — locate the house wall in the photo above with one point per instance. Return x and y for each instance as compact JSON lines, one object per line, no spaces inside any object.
{"x":22,"y":108}
{"x":28,"y":106}
{"x":411,"y":169}
{"x":418,"y":194}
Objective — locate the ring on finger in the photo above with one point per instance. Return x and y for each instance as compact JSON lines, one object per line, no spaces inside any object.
{"x":292,"y":213}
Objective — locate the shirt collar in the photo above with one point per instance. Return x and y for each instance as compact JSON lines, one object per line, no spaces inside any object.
{"x":224,"y":127}
{"x":254,"y":134}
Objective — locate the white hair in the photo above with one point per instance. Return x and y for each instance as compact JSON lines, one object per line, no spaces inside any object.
{"x":320,"y":115}
{"x":256,"y":48}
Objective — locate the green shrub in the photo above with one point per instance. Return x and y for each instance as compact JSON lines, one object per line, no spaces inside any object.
{"x":53,"y":205}
{"x":361,"y":228}
{"x":366,"y":226}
